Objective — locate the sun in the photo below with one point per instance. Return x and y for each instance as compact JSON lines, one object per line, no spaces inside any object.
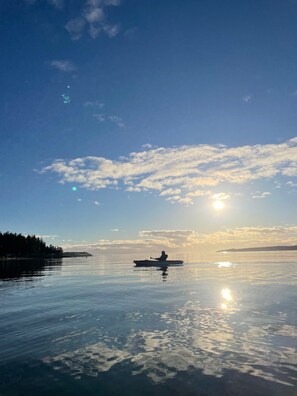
{"x":218,"y":205}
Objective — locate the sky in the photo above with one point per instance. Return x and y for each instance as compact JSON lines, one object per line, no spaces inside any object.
{"x":145,"y":125}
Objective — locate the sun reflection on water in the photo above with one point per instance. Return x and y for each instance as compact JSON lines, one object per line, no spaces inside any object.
{"x":226,"y":293}
{"x":224,"y":264}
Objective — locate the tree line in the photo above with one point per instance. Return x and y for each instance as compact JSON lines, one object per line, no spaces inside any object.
{"x":30,"y":246}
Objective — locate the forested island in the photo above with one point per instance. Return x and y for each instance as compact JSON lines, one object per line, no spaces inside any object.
{"x":76,"y":254}
{"x":261,"y":249}
{"x":16,"y":246}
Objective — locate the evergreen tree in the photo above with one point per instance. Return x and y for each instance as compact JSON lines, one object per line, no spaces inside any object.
{"x":17,"y":245}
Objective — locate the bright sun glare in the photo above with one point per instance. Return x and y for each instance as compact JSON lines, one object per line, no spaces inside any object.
{"x":227,"y":294}
{"x":218,"y":205}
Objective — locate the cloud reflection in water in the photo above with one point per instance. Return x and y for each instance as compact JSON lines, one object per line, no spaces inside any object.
{"x":192,"y":336}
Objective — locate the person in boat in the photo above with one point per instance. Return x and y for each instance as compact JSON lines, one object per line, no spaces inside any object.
{"x":163,"y":256}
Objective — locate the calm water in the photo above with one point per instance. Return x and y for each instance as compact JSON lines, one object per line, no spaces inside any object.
{"x":99,"y":326}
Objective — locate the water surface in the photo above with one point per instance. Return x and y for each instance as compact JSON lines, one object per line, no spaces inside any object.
{"x":225,"y":325}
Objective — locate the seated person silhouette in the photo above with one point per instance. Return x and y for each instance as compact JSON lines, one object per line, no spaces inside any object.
{"x":163,"y":256}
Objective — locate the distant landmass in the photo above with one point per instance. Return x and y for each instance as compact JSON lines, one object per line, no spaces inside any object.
{"x":261,"y":249}
{"x":76,"y":254}
{"x":18,"y":247}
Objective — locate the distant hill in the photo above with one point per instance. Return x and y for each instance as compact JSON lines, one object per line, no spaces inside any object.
{"x":261,"y":249}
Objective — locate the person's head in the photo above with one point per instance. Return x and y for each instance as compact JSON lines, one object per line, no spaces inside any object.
{"x":163,"y":252}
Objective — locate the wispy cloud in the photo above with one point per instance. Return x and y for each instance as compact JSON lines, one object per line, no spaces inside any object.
{"x":171,"y":191}
{"x":179,"y":240}
{"x":116,"y":120}
{"x":63,"y":65}
{"x":292,"y":184}
{"x":147,"y":146}
{"x":221,"y":196}
{"x":103,"y":116}
{"x":99,"y":116}
{"x":261,"y":195}
{"x":47,"y":236}
{"x":75,"y":27}
{"x":252,"y":236}
{"x":194,"y":170}
{"x":96,"y":104}
{"x":55,"y":3}
{"x":93,"y":18}
{"x":247,"y":98}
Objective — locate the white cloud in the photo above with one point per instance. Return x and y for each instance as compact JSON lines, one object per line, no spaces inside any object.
{"x":97,"y":203}
{"x":178,"y":199}
{"x":252,"y":236}
{"x":116,"y":120}
{"x":133,"y":189}
{"x":95,"y":104}
{"x":190,"y":240}
{"x":114,"y":230}
{"x":171,"y":191}
{"x":199,"y":193}
{"x":172,"y":238}
{"x":261,"y":195}
{"x":99,"y":116}
{"x":75,"y":27}
{"x":94,"y":16}
{"x":112,"y":118}
{"x":94,"y":31}
{"x":57,"y":3}
{"x":191,"y":169}
{"x":247,"y":98}
{"x":47,"y":236}
{"x":63,"y":65}
{"x":292,"y":184}
{"x":111,"y":30}
{"x":221,"y":196}
{"x":103,"y":116}
{"x":291,"y":171}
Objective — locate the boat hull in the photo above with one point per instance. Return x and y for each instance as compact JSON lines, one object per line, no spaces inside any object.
{"x":156,"y":263}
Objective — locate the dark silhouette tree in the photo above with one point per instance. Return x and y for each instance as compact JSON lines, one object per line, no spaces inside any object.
{"x":17,"y":245}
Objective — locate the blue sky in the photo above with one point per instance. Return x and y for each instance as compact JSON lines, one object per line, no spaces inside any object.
{"x":171,"y":107}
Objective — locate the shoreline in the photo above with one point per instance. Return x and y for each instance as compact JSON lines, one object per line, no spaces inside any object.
{"x":4,"y":259}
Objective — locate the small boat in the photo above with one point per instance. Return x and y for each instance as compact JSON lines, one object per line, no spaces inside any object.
{"x":156,"y":263}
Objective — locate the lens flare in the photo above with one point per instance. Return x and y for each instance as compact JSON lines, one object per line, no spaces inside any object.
{"x":66,"y":98}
